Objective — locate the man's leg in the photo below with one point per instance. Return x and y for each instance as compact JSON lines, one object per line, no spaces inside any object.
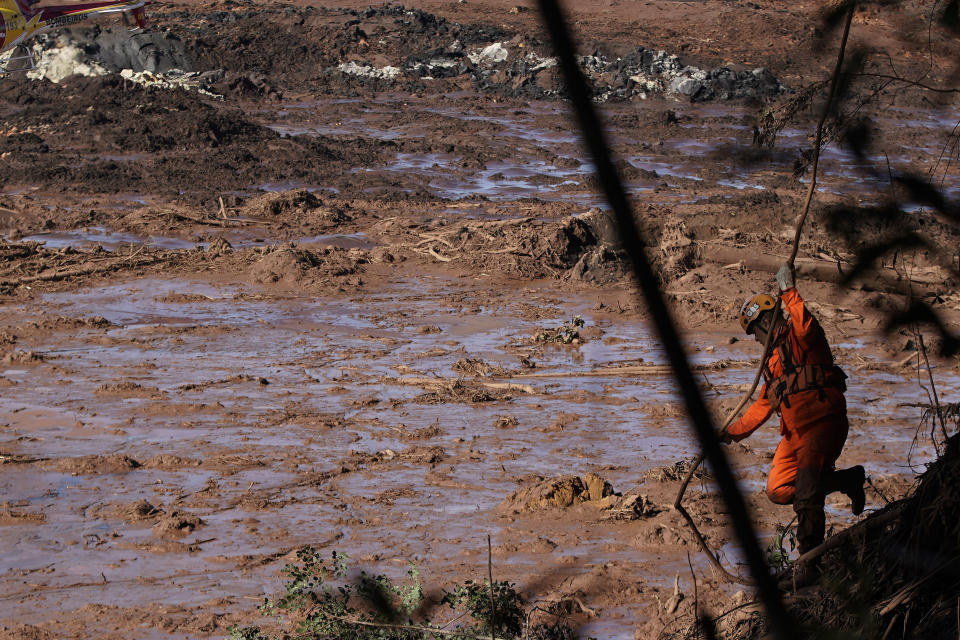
{"x":817,"y":450}
{"x":808,"y":504}
{"x":783,"y":472}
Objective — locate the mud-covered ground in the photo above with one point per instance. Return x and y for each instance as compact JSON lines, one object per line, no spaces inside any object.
{"x":311,"y":299}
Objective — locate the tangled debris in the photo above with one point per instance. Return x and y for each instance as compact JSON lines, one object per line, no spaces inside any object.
{"x":380,"y":47}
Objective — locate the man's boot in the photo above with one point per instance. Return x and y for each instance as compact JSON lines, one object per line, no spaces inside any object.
{"x":850,"y":483}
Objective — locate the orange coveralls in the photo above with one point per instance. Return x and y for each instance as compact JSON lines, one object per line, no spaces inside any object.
{"x":813,"y":422}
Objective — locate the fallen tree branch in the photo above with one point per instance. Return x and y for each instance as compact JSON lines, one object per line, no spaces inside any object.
{"x":446,"y":383}
{"x":63,"y":275}
{"x":885,"y":279}
{"x":912,"y":83}
{"x":836,"y":540}
{"x":640,"y":369}
{"x":438,"y":256}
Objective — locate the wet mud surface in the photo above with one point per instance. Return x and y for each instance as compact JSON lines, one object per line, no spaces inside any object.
{"x":321,"y":310}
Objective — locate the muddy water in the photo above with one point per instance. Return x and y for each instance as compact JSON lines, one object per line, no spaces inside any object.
{"x":89,"y":238}
{"x":538,"y":153}
{"x":314,"y":446}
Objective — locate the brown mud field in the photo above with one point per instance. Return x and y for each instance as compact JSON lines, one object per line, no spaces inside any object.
{"x":286,"y":275}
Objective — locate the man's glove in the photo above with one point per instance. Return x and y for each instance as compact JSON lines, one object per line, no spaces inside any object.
{"x":785,"y":277}
{"x":725,"y":437}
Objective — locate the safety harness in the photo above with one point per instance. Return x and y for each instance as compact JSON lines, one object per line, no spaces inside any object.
{"x":799,"y":376}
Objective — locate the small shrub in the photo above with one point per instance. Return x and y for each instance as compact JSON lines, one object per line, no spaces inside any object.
{"x":783,"y":544}
{"x":319,"y":602}
{"x":508,"y":613}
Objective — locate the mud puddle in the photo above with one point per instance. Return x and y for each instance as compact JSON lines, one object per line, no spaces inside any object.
{"x":532,"y":151}
{"x":89,"y":238}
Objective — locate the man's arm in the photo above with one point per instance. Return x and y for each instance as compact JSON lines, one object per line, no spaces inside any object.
{"x":800,"y":318}
{"x":755,"y":416}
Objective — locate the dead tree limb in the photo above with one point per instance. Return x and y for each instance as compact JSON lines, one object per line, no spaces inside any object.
{"x":863,"y":526}
{"x":74,"y":273}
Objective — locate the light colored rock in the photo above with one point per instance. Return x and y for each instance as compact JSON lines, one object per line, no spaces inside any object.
{"x":684,"y":86}
{"x":491,"y":54}
{"x":364,"y":70}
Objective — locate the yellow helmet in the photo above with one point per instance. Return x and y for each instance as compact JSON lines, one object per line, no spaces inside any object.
{"x":753,"y":307}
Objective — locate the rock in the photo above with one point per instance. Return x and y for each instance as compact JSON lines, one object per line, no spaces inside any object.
{"x":685,"y":86}
{"x":365,"y":70}
{"x":493,"y":54}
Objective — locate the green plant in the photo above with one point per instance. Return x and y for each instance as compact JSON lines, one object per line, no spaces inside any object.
{"x":320,"y":602}
{"x":778,"y":553}
{"x":507,"y":616}
{"x":245,"y":633}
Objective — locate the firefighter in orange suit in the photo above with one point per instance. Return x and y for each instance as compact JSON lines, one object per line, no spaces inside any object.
{"x":805,"y":387}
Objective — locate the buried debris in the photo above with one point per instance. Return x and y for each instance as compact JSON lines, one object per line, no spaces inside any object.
{"x":673,"y":472}
{"x":633,"y":506}
{"x":558,"y":493}
{"x":291,"y":265}
{"x":567,"y":334}
{"x":176,"y":524}
{"x":569,"y":491}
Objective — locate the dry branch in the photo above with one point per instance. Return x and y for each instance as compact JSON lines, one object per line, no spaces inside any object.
{"x":640,"y":369}
{"x":861,"y":527}
{"x":438,"y":256}
{"x":73,"y":273}
{"x":884,"y":279}
{"x":447,"y":383}
{"x":410,"y":627}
